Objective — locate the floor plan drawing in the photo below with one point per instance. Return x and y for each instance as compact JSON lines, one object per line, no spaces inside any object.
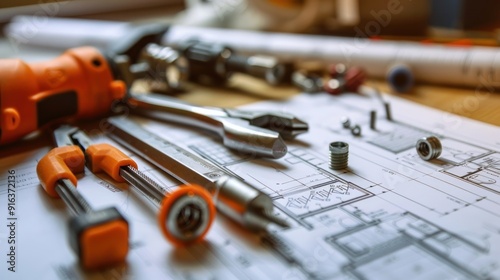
{"x":388,"y":215}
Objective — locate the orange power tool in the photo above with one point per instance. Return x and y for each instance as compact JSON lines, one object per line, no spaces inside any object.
{"x":79,"y":84}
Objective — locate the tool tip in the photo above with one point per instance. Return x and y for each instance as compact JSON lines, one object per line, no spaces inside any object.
{"x":275,"y":220}
{"x":279,"y":148}
{"x":294,"y":128}
{"x":299,"y":126}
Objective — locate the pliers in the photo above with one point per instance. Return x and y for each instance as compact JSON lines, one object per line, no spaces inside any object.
{"x":259,"y":133}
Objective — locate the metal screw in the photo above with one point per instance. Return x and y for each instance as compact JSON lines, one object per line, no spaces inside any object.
{"x":429,"y":147}
{"x":373,"y":119}
{"x":387,"y":107}
{"x":339,"y":152}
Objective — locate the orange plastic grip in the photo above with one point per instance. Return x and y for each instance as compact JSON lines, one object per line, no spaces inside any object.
{"x":104,"y":157}
{"x":104,"y":245}
{"x":60,"y":163}
{"x":170,"y":199}
{"x":32,"y":94}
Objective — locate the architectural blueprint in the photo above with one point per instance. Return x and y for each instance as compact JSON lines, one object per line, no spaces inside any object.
{"x":389,"y":215}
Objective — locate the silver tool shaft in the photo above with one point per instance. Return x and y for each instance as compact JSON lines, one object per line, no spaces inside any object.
{"x":150,"y":189}
{"x":75,"y":201}
{"x":189,"y":216}
{"x":234,"y":198}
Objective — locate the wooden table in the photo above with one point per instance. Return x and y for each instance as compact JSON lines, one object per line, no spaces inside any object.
{"x":481,"y":105}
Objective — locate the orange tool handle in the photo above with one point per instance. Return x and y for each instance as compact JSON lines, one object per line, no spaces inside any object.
{"x":104,"y":245}
{"x":76,"y":85}
{"x":60,"y":163}
{"x":104,"y":157}
{"x":107,"y":158}
{"x":100,"y":238}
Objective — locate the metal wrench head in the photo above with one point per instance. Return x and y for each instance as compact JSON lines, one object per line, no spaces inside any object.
{"x":287,"y":125}
{"x":239,"y":135}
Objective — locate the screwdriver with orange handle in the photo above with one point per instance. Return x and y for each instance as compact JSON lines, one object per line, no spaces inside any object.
{"x":99,"y":238}
{"x":79,"y":84}
{"x":185,"y":214}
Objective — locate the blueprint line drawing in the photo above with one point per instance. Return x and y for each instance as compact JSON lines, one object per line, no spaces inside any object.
{"x":388,"y":215}
{"x":308,"y":189}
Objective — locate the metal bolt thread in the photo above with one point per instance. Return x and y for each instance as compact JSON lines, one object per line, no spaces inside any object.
{"x":152,"y":190}
{"x":339,"y":152}
{"x":429,"y":147}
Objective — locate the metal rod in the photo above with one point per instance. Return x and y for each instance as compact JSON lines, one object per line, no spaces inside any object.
{"x":387,"y":107}
{"x":143,"y":184}
{"x":373,"y":119}
{"x":186,"y":219}
{"x":75,"y":201}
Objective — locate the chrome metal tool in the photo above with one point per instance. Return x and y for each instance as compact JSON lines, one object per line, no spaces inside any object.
{"x":254,"y":132}
{"x":233,"y":197}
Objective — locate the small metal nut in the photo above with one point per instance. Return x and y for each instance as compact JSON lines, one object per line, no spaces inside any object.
{"x":356,"y":130}
{"x":429,"y":147}
{"x":346,"y":122}
{"x":339,"y":153}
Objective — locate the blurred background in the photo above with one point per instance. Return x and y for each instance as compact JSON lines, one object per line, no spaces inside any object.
{"x":440,"y":19}
{"x":25,"y":33}
{"x":446,"y":80}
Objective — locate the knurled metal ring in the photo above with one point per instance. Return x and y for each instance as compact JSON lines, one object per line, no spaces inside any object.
{"x":429,"y":147}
